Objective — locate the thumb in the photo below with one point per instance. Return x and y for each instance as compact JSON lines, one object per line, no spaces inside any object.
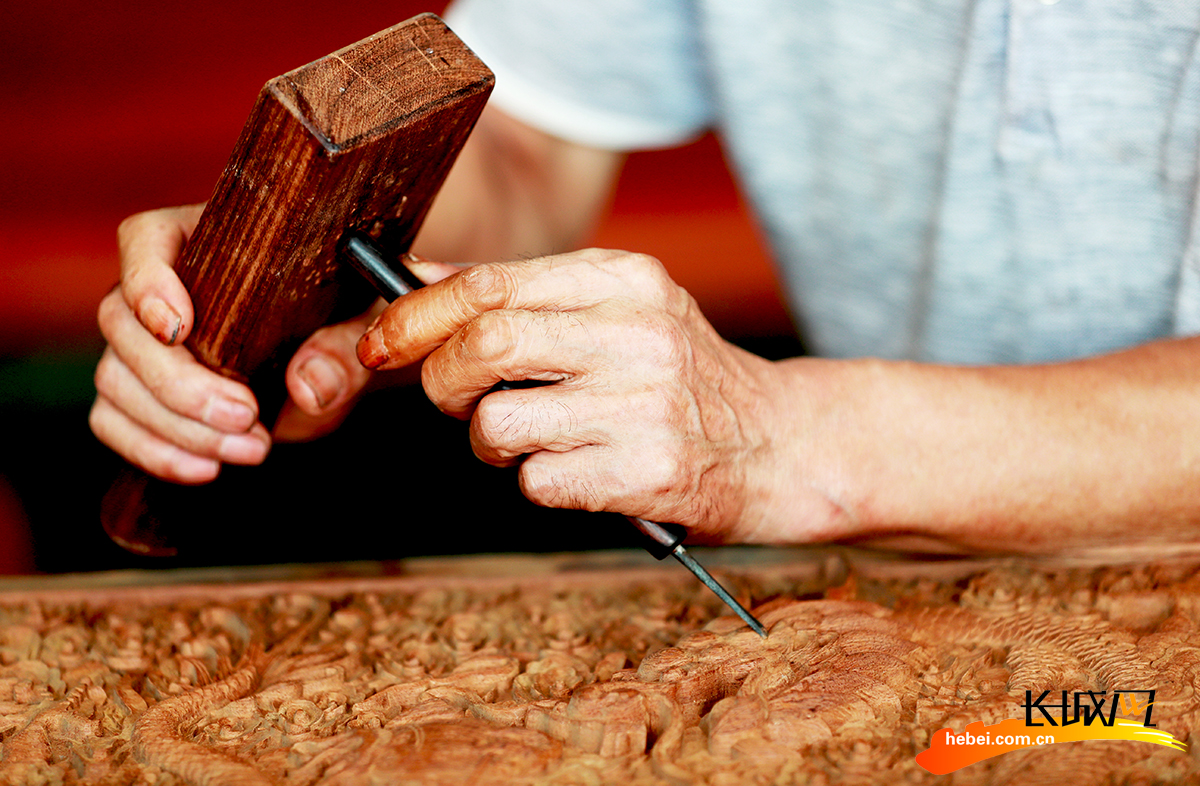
{"x":324,"y":379}
{"x":150,"y":243}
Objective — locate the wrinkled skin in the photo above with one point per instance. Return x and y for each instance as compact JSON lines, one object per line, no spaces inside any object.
{"x":650,"y":412}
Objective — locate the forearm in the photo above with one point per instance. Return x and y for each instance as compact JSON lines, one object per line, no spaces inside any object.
{"x":1096,"y":452}
{"x":516,"y":192}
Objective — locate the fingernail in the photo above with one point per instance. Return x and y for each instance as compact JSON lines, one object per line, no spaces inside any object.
{"x":228,"y":415}
{"x":242,"y":449}
{"x":164,"y":322}
{"x":416,"y":263}
{"x":426,"y":269}
{"x":371,"y":351}
{"x":325,"y":379}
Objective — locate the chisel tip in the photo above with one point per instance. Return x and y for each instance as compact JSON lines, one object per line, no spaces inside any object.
{"x":696,"y":568}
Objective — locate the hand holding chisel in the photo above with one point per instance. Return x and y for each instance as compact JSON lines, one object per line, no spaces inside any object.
{"x":661,"y":539}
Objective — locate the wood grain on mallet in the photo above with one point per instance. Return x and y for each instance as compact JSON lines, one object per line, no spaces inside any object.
{"x":361,"y":139}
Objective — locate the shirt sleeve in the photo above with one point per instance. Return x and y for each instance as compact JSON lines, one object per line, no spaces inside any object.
{"x":611,"y":74}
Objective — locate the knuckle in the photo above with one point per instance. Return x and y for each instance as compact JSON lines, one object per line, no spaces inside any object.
{"x":649,"y":277}
{"x":645,"y":264}
{"x":207,"y":443}
{"x":492,"y":337}
{"x":96,"y":419}
{"x":105,"y":376}
{"x":514,"y":429}
{"x":487,"y":285}
{"x":659,"y":472}
{"x":569,"y":480}
{"x":495,"y":425}
{"x":177,"y":392}
{"x":494,"y":443}
{"x":548,"y":488}
{"x":667,"y":471}
{"x":431,"y":380}
{"x":602,"y":257}
{"x":109,"y":310}
{"x":538,"y":487}
{"x":442,"y":387}
{"x":131,"y":226}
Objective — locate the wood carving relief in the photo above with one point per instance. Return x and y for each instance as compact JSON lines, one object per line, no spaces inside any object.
{"x":574,"y":681}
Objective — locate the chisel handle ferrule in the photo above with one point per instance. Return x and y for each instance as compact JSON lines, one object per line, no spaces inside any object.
{"x":661,"y":539}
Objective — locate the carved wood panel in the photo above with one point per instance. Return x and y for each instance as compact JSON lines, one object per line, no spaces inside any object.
{"x":614,"y":676}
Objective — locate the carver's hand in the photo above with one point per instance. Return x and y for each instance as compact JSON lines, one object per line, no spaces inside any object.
{"x":162,"y":410}
{"x":651,"y":412}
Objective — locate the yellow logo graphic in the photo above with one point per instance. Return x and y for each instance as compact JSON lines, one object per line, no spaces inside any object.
{"x":1131,"y":706}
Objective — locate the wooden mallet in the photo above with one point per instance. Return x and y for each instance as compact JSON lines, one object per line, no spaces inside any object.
{"x":356,"y":143}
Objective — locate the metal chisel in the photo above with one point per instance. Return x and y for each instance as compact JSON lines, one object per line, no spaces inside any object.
{"x":661,"y":539}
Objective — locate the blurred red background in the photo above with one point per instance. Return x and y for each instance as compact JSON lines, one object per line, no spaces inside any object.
{"x":115,"y":109}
